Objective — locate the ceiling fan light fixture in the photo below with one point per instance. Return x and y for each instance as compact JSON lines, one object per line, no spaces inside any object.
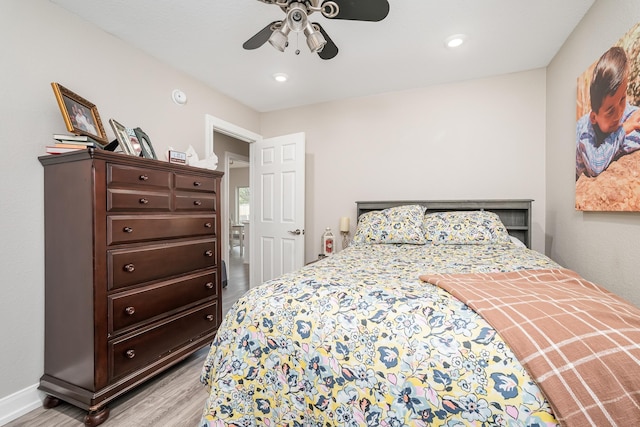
{"x":315,"y":39}
{"x":455,"y":40}
{"x":280,"y":37}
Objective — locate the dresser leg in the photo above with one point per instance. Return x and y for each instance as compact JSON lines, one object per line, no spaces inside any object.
{"x":50,"y":402}
{"x":95,"y":418}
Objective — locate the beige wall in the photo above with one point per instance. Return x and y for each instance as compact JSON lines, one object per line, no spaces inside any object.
{"x":42,"y":43}
{"x":603,"y":247}
{"x":470,"y":140}
{"x":227,"y":144}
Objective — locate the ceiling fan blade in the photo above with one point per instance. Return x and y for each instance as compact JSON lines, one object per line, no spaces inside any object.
{"x":330,"y":50}
{"x":260,"y":38}
{"x":362,"y":10}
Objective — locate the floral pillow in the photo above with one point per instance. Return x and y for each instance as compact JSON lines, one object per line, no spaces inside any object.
{"x":401,"y":224}
{"x":465,"y":228}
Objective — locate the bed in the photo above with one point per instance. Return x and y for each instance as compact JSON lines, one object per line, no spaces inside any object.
{"x":378,"y":334}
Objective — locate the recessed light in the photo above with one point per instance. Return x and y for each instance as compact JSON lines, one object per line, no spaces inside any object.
{"x":455,"y":40}
{"x":280,"y":77}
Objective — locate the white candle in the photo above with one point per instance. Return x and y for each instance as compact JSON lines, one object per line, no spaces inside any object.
{"x":344,"y":224}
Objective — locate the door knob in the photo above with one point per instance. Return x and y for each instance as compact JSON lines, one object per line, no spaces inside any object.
{"x":297,"y":232}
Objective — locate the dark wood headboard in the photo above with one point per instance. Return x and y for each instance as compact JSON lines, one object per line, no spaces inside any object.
{"x":515,"y":214}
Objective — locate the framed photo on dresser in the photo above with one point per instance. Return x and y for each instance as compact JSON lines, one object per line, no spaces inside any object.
{"x":80,"y":116}
{"x":145,"y":144}
{"x":124,"y":138}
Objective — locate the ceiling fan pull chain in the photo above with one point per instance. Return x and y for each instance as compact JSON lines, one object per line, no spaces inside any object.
{"x":297,"y":43}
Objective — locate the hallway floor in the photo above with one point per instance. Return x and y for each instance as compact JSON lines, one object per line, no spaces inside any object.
{"x":237,"y":280}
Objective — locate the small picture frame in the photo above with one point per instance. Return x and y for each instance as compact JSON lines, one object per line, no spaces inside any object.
{"x":145,"y":144}
{"x":177,"y":157}
{"x":135,"y":143}
{"x":80,"y":116}
{"x":124,"y":140}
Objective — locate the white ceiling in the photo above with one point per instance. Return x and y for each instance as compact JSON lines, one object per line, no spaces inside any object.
{"x":406,"y":50}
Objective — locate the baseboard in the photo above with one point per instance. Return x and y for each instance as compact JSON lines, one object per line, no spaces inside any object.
{"x":19,"y":403}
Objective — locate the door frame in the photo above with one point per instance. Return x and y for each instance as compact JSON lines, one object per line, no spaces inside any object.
{"x":214,"y":124}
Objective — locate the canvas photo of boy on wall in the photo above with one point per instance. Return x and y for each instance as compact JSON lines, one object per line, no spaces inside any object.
{"x":608,"y":129}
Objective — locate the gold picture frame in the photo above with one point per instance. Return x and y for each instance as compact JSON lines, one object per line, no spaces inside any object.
{"x":80,"y":116}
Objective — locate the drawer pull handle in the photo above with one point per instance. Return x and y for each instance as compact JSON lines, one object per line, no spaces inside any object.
{"x":210,"y":317}
{"x":208,"y":253}
{"x":144,"y":201}
{"x":130,"y":310}
{"x":128,"y":230}
{"x":208,"y":225}
{"x":197,"y":202}
{"x":144,"y":177}
{"x":130,"y":354}
{"x":129,"y":268}
{"x":197,"y":183}
{"x":209,"y":285}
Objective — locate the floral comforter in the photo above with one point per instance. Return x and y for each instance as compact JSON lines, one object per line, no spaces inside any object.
{"x":358,"y":340}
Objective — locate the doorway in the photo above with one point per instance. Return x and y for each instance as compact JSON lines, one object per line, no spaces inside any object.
{"x":277,"y":224}
{"x":224,"y":138}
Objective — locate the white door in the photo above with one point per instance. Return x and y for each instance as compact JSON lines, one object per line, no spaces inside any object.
{"x":277,"y":187}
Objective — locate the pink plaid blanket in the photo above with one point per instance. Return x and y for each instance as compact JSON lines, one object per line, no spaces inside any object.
{"x":578,"y":341}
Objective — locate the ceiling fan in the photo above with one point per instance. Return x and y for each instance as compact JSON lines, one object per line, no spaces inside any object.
{"x":297,"y":20}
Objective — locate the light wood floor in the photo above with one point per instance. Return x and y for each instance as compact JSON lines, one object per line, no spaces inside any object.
{"x":174,"y":398}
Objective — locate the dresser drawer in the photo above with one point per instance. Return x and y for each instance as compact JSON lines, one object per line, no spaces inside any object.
{"x":194,"y":182}
{"x":147,"y":346}
{"x":143,"y":264}
{"x":121,"y":175}
{"x":133,"y":307}
{"x":138,"y":228}
{"x":132,"y":200}
{"x":196,"y":202}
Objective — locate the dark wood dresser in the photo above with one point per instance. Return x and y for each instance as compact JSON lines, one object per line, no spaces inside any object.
{"x":132,"y":272}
